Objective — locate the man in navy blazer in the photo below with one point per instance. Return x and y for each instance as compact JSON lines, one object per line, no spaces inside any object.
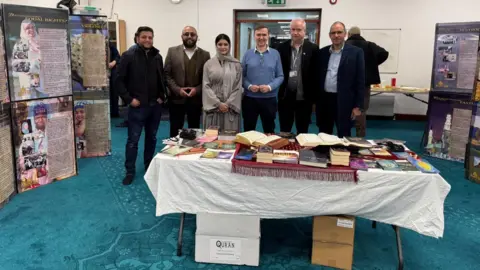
{"x":341,"y":83}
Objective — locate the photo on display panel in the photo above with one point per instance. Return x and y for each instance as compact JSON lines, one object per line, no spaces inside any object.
{"x":44,"y":141}
{"x":89,"y":42}
{"x":448,"y":126}
{"x":92,"y":128}
{"x":37,"y":48}
{"x":456,"y":56}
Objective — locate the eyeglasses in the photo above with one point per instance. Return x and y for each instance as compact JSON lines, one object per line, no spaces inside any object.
{"x":191,"y":34}
{"x":336,"y":33}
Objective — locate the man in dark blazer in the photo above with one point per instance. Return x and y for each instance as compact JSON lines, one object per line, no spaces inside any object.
{"x":341,"y":82}
{"x":184,"y":72}
{"x":297,"y":93}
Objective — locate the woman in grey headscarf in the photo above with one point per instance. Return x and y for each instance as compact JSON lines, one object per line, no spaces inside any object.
{"x":222,"y":88}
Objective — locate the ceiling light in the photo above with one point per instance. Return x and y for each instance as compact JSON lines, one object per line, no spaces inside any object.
{"x":312,"y":16}
{"x":262,"y":15}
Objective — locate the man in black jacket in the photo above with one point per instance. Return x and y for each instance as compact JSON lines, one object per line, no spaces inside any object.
{"x":296,"y":94}
{"x":141,"y":83}
{"x":374,"y":56}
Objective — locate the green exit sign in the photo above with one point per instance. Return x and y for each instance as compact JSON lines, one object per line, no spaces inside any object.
{"x":276,"y":3}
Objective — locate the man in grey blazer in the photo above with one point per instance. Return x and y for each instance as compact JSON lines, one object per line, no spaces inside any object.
{"x":184,"y":73}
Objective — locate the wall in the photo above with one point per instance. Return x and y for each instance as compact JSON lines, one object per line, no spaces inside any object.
{"x":416,"y":19}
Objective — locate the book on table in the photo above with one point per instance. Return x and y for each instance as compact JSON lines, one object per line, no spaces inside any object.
{"x":255,"y":138}
{"x":389,"y":165}
{"x":212,"y":131}
{"x":285,"y":156}
{"x":176,"y":150}
{"x":265,"y":154}
{"x":313,"y":140}
{"x":339,"y":156}
{"x":406,"y":166}
{"x":313,"y":159}
{"x":358,"y":164}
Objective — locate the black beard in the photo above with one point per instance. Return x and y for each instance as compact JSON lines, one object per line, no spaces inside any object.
{"x":189,"y":46}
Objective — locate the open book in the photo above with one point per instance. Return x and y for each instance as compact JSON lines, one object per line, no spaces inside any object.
{"x":312,"y":140}
{"x":255,"y":138}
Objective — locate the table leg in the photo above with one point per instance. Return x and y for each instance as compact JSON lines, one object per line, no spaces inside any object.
{"x":414,"y":97}
{"x":399,"y":247}
{"x":180,"y":235}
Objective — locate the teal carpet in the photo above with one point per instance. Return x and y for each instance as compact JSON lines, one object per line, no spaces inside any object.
{"x":92,"y":222}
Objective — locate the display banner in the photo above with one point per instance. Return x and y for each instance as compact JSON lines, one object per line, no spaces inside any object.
{"x":7,"y":170}
{"x":37,"y":48}
{"x":92,"y":125}
{"x":89,"y":39}
{"x":449,"y":121}
{"x":44,"y":141}
{"x":456,"y":58}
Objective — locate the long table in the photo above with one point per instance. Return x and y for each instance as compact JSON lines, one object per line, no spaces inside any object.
{"x":187,"y":184}
{"x":409,"y":92}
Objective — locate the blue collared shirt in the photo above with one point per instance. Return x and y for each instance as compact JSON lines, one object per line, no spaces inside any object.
{"x":262,"y":69}
{"x":332,"y":71}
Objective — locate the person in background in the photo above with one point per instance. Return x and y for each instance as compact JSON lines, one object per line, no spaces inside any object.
{"x":125,"y":117}
{"x":112,"y":65}
{"x":222,"y":88}
{"x":374,"y":56}
{"x":342,"y":83}
{"x":184,"y":71}
{"x":262,"y":76}
{"x":296,"y":95}
{"x":141,"y":83}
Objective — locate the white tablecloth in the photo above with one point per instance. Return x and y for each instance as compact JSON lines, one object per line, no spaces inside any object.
{"x":410,"y":200}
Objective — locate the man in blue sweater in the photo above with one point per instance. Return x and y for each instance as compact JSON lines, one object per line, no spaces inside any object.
{"x":262,"y":77}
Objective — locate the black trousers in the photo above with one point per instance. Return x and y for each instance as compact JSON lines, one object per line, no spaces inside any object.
{"x":147,"y":117}
{"x":326,"y":113}
{"x":177,"y":116}
{"x":266,"y":108}
{"x":291,"y":110}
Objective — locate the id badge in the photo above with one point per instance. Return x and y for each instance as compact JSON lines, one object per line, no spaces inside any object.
{"x":293,"y":74}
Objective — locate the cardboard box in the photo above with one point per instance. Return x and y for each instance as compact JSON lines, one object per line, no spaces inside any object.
{"x":228,"y":225}
{"x":227,"y":250}
{"x":333,"y":241}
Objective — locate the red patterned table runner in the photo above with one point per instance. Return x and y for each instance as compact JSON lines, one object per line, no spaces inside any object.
{"x":294,"y":171}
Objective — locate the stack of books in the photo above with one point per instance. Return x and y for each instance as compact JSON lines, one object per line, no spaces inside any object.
{"x":313,"y":159}
{"x":285,"y":156}
{"x":265,"y":154}
{"x":212,"y":131}
{"x":339,"y":156}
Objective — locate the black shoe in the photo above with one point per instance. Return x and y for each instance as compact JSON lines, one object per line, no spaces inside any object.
{"x":128,"y":180}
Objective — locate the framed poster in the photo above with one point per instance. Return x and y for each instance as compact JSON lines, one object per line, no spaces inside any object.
{"x":89,"y":39}
{"x":44,"y":141}
{"x":7,"y":170}
{"x":37,"y":49}
{"x":92,"y":125}
{"x":456,"y":57}
{"x":449,"y":121}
